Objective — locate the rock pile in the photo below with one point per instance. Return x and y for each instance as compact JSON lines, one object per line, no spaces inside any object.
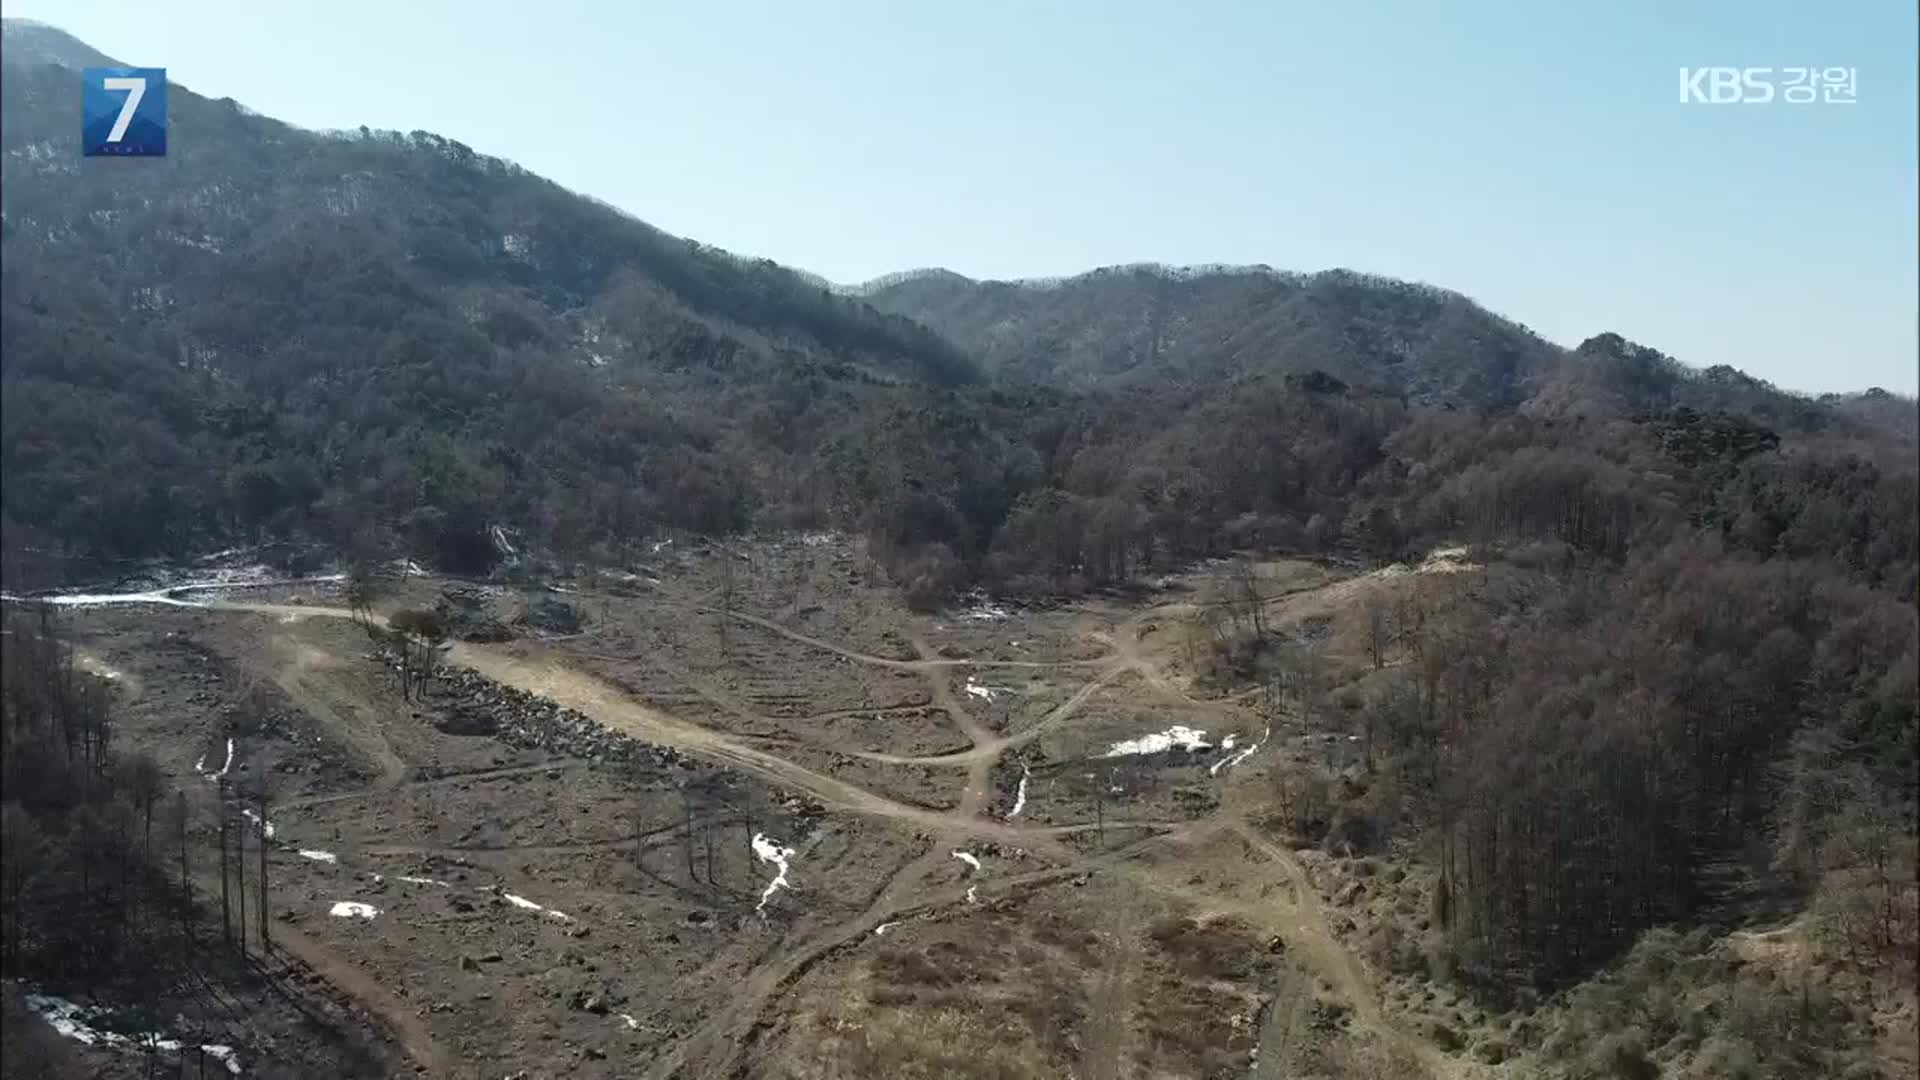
{"x":521,"y":719}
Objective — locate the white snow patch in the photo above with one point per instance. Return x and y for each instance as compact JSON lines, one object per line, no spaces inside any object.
{"x":881,"y":930}
{"x":266,"y":827}
{"x":156,"y":596}
{"x":632,"y":1024}
{"x":1020,"y":796}
{"x":972,"y":894}
{"x":224,"y":578}
{"x":1228,"y":763}
{"x":70,"y":1020}
{"x":1161,"y":741}
{"x":201,"y":765}
{"x":523,"y":902}
{"x":319,"y":856}
{"x":982,"y":690}
{"x":1227,"y":743}
{"x":423,"y":881}
{"x":981,"y":608}
{"x":770,"y":851}
{"x":353,"y":909}
{"x":968,"y":858}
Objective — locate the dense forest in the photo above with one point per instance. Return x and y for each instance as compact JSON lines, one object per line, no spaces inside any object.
{"x":1688,"y":690}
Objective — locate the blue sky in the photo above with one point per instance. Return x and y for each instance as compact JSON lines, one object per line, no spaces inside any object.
{"x":1534,"y":156}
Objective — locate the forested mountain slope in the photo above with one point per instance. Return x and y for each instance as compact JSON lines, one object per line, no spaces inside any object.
{"x":1150,"y":325}
{"x":273,"y":332}
{"x":269,"y":319}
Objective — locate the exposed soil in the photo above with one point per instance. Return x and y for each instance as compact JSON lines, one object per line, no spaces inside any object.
{"x":613,"y":777}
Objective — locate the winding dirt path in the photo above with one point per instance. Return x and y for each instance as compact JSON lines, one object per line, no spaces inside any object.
{"x":923,"y":663}
{"x":717,"y":1045}
{"x":996,"y":745}
{"x":1308,"y":930}
{"x":619,"y":711}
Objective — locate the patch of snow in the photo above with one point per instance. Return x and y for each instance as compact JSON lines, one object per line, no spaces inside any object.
{"x":983,"y":691}
{"x":156,"y":596}
{"x":981,"y":608}
{"x":423,"y":881}
{"x":523,"y":902}
{"x":881,"y":930}
{"x":972,"y":894}
{"x":1189,"y":739}
{"x":266,"y":827}
{"x":1227,"y":743}
{"x":1020,"y":796}
{"x":201,"y":765}
{"x":167,"y":595}
{"x":1228,"y":763}
{"x":968,"y":858}
{"x":770,"y":851}
{"x":72,"y":1021}
{"x":353,"y":909}
{"x":319,"y":856}
{"x":632,"y":1024}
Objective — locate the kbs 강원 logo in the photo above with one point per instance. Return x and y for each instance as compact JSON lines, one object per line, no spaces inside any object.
{"x":123,"y":112}
{"x":1760,"y":85}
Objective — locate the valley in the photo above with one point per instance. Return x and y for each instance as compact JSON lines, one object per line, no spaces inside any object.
{"x":603,"y":902}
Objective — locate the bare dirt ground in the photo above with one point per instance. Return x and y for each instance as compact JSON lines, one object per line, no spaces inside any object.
{"x":563,"y":909}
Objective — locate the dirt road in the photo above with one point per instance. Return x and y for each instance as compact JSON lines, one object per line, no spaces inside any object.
{"x":716,"y":1046}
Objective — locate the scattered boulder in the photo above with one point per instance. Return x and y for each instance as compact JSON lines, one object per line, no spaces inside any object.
{"x":554,"y":616}
{"x":466,"y":720}
{"x":468,"y":963}
{"x":487,"y":632}
{"x":1328,"y":1014}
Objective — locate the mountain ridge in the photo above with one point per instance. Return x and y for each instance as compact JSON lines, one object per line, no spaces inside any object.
{"x":273,"y":331}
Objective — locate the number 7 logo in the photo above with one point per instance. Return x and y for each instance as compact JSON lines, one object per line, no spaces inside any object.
{"x":136,"y":89}
{"x":123,"y":112}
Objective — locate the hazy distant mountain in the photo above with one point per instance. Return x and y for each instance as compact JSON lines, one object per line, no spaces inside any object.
{"x":1147,"y":324}
{"x":1154,"y":325}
